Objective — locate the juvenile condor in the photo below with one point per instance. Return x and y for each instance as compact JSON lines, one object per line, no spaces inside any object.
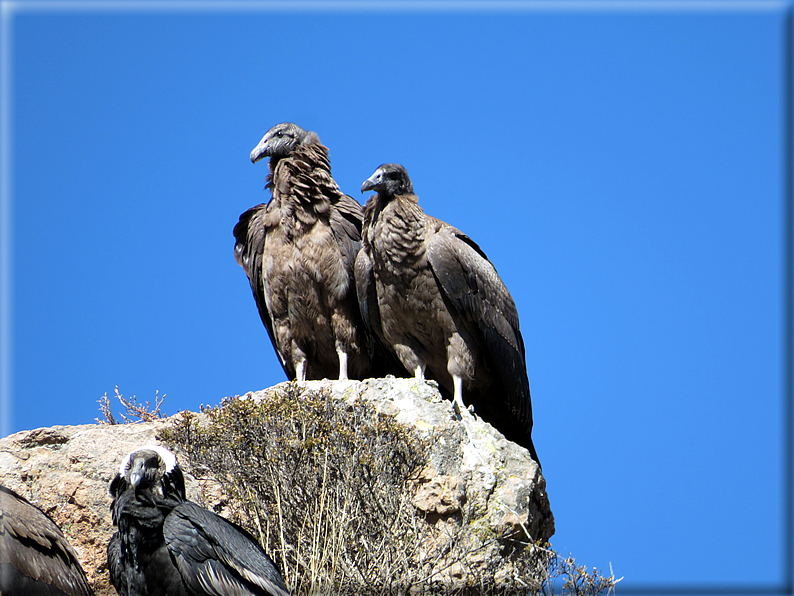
{"x":167,"y":545}
{"x":299,"y":251}
{"x":428,"y":291}
{"x":35,"y":557}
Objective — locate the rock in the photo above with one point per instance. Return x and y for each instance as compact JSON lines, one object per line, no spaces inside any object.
{"x":438,"y":495}
{"x":473,"y":476}
{"x":469,"y":456}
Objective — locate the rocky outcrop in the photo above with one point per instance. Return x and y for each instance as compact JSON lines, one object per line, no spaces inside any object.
{"x":469,"y":461}
{"x":473,"y":478}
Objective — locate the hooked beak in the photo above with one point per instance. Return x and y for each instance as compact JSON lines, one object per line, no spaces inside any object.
{"x":371,"y":182}
{"x":137,"y":472}
{"x":260,"y":151}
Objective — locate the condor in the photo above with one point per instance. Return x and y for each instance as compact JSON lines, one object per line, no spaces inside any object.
{"x":298,"y":252}
{"x":167,"y":545}
{"x":430,"y":293}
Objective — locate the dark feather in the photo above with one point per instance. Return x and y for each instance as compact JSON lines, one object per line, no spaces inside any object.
{"x":168,"y":546}
{"x":213,"y":554}
{"x":35,"y":557}
{"x":430,"y":292}
{"x":249,"y":233}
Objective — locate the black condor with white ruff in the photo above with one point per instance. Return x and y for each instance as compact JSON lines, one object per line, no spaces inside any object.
{"x":167,"y":545}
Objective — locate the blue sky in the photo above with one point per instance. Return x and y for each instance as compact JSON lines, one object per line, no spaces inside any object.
{"x":622,"y":164}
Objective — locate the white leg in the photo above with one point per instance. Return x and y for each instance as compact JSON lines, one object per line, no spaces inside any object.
{"x":300,"y":370}
{"x":342,"y":364}
{"x":420,"y":373}
{"x":458,"y":397}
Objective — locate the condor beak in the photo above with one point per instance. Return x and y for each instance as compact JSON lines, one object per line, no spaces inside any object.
{"x":260,"y":151}
{"x":371,"y":182}
{"x":136,"y":475}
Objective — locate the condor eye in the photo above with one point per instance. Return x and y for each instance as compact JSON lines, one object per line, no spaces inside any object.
{"x":279,"y":134}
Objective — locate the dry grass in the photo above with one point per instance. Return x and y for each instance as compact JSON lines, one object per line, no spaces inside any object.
{"x":564,"y":576}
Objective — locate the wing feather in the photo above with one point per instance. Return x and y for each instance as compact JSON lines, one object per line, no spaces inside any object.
{"x":249,"y":234}
{"x":474,"y":289}
{"x":34,"y":551}
{"x":116,"y":564}
{"x":215,"y":556}
{"x":367,"y":294}
{"x":345,"y":223}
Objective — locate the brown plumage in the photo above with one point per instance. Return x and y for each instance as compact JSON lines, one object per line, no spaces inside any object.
{"x":35,"y":557}
{"x":431,"y":294}
{"x":299,"y":251}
